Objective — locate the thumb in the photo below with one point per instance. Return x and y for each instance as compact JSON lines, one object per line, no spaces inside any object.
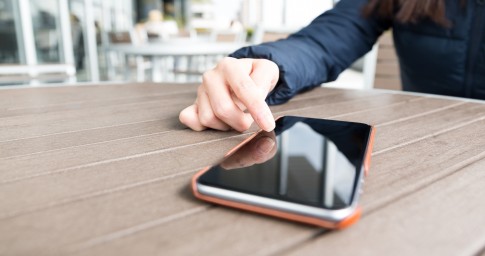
{"x":265,"y":75}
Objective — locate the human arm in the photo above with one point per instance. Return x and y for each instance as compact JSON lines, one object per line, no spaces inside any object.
{"x":316,"y":54}
{"x":321,"y":51}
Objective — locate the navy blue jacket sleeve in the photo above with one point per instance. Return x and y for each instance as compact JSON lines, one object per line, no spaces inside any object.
{"x":321,"y":51}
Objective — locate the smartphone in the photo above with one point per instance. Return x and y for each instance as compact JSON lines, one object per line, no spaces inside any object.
{"x":307,"y":170}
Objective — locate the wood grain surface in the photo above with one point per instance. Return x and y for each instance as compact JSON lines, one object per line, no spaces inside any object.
{"x":105,"y":170}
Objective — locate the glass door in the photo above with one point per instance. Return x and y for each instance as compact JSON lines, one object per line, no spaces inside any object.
{"x":9,"y":43}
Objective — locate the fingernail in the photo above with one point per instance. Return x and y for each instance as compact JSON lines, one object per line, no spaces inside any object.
{"x":267,"y":121}
{"x":265,"y":145}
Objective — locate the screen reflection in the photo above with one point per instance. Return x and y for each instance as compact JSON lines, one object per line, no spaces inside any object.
{"x":309,"y":161}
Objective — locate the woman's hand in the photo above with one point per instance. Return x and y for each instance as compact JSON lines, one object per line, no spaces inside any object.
{"x":228,"y":90}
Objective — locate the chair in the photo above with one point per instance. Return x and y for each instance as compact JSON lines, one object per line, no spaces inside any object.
{"x":120,"y":37}
{"x":263,"y":35}
{"x":228,"y":36}
{"x":191,"y":68}
{"x":114,"y":59}
{"x":161,"y":30}
{"x":269,"y":36}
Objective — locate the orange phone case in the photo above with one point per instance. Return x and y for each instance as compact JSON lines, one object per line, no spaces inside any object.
{"x":351,"y":219}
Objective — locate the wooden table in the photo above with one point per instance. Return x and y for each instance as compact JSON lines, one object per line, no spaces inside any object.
{"x":105,"y":170}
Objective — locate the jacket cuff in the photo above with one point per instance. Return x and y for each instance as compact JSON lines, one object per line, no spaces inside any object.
{"x":282,"y":91}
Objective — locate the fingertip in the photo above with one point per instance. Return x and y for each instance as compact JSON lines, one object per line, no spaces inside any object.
{"x":270,"y":126}
{"x":198,"y":128}
{"x":189,"y":117}
{"x":264,"y":118}
{"x":184,"y":115}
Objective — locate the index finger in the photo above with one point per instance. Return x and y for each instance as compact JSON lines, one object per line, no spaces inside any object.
{"x":250,"y":94}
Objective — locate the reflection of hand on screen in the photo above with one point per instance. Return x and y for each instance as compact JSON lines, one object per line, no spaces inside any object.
{"x":259,"y":150}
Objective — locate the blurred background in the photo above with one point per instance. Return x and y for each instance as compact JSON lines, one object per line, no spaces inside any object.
{"x":72,"y":41}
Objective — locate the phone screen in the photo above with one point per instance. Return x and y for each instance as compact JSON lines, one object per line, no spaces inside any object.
{"x":314,"y":162}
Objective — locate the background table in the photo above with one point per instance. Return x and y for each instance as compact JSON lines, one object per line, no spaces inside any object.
{"x":177,"y":48}
{"x":159,"y":52}
{"x":105,"y":170}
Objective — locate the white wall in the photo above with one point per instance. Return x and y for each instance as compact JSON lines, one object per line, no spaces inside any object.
{"x":225,"y":11}
{"x":296,"y":13}
{"x":270,"y":13}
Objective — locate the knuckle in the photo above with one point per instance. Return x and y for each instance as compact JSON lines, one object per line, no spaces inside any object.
{"x":207,"y":119}
{"x":223,"y":110}
{"x":253,"y":103}
{"x":225,"y":64}
{"x":207,"y":77}
{"x":226,"y":61}
{"x":243,"y":87}
{"x":245,"y":83}
{"x":244,"y":126}
{"x":271,"y":69}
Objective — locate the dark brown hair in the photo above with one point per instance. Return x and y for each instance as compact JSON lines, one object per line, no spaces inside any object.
{"x":410,"y":11}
